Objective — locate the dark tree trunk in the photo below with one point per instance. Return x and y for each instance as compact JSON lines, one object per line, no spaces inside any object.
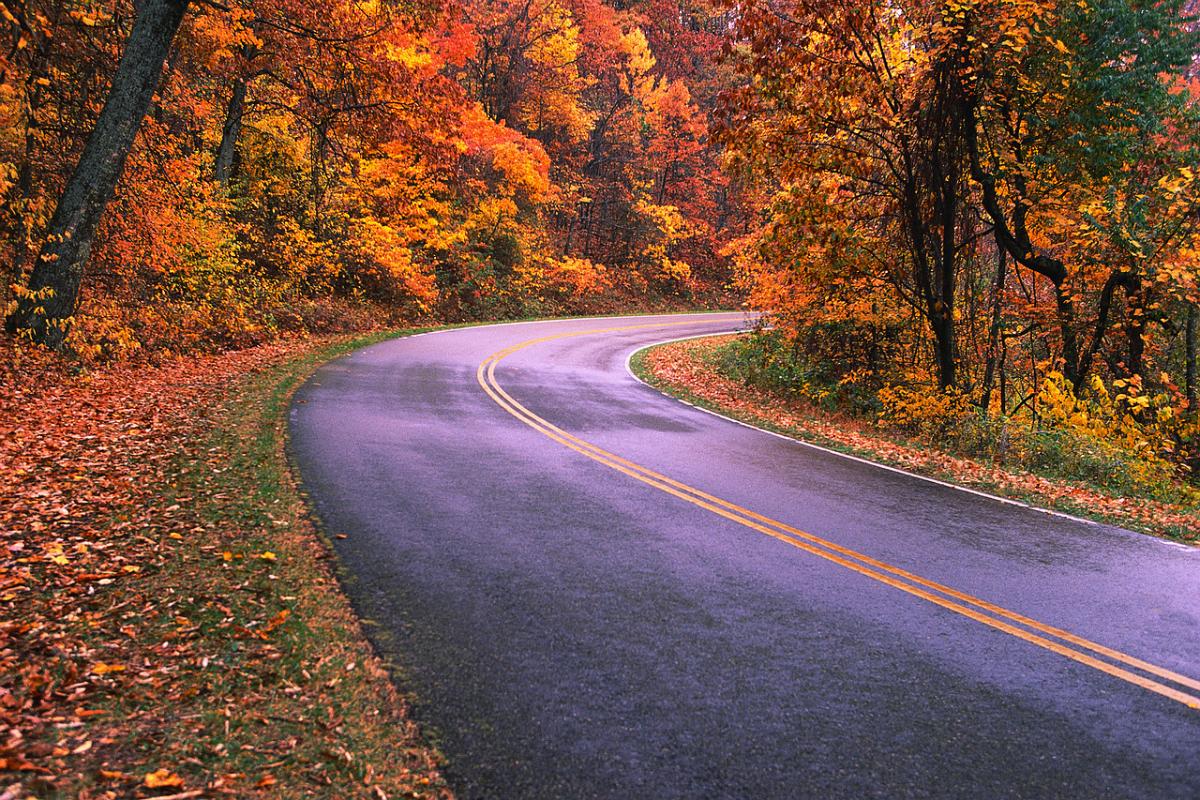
{"x":1012,"y":234}
{"x":932,"y":200}
{"x":1135,"y":326}
{"x":947,"y":273}
{"x":1003,"y":375}
{"x":1073,"y":371}
{"x":54,"y":284}
{"x":566,"y":251}
{"x":989,"y":372}
{"x":223,"y":169}
{"x":943,"y":331}
{"x":320,"y":141}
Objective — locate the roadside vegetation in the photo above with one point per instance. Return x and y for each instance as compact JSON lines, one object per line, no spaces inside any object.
{"x":1089,"y":461}
{"x":980,"y":227}
{"x":334,"y":166}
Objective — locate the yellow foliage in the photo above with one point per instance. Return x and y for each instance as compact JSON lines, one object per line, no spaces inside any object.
{"x":525,"y":165}
{"x":555,"y":52}
{"x":638,"y":80}
{"x":1142,"y":425}
{"x":667,"y":227}
{"x":922,"y":410}
{"x":390,"y":255}
{"x":1113,"y":434}
{"x":569,"y":277}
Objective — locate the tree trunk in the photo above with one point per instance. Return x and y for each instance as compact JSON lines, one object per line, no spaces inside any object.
{"x":320,"y":141}
{"x":1135,"y":326}
{"x":1065,"y":306}
{"x":989,"y":372}
{"x":1011,"y":233}
{"x":566,"y":251}
{"x":53,"y":294}
{"x":943,"y":331}
{"x":223,"y":170}
{"x":1003,"y":376}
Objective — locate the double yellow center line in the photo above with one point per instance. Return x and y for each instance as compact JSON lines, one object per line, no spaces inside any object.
{"x":1113,"y":662}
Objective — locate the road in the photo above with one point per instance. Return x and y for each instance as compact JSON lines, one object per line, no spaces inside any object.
{"x":593,"y":590}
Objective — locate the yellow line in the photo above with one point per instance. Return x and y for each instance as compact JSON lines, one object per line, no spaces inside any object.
{"x":485,"y":375}
{"x":998,"y":610}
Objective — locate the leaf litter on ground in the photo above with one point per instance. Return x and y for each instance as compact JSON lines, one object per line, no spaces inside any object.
{"x":170,"y":625}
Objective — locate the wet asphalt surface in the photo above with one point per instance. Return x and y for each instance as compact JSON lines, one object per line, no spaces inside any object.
{"x":566,"y":631}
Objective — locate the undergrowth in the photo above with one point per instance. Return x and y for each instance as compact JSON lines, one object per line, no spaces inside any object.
{"x":1112,"y":436}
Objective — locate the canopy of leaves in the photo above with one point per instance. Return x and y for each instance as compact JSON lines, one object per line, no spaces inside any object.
{"x":309,"y":165}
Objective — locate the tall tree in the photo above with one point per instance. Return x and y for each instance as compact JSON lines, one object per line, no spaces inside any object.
{"x":859,"y":103}
{"x":1084,"y":153}
{"x":46,"y":307}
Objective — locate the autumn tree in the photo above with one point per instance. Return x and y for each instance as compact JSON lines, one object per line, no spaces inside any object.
{"x":1085,"y":152}
{"x":854,"y":114}
{"x":315,"y":165}
{"x":46,"y":306}
{"x":1009,"y":186}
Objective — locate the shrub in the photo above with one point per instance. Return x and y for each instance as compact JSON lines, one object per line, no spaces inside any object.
{"x":1123,"y":441}
{"x":782,"y":362}
{"x":1115,"y":435}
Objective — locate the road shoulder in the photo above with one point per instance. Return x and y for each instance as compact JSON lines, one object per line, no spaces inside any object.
{"x":687,"y":370}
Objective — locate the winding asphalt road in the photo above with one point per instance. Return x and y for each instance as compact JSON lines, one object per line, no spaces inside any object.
{"x":594,"y":590}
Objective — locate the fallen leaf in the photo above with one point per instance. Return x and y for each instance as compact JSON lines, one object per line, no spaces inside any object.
{"x":162,"y":779}
{"x":100,"y":668}
{"x":277,"y":620}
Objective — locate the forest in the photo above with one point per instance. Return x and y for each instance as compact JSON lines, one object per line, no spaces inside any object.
{"x":327,"y":165}
{"x":978,"y":221}
{"x":948,"y":211}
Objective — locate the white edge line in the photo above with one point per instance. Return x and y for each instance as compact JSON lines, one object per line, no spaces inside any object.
{"x":876,"y":464}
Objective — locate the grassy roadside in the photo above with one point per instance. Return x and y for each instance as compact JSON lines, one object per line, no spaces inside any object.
{"x":179,"y":630}
{"x":309,"y":708}
{"x":689,"y":370}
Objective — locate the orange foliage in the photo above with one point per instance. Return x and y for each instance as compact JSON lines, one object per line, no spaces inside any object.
{"x":303,"y":160}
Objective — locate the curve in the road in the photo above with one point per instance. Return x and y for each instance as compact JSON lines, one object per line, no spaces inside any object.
{"x":594,"y":591}
{"x":905,"y":581}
